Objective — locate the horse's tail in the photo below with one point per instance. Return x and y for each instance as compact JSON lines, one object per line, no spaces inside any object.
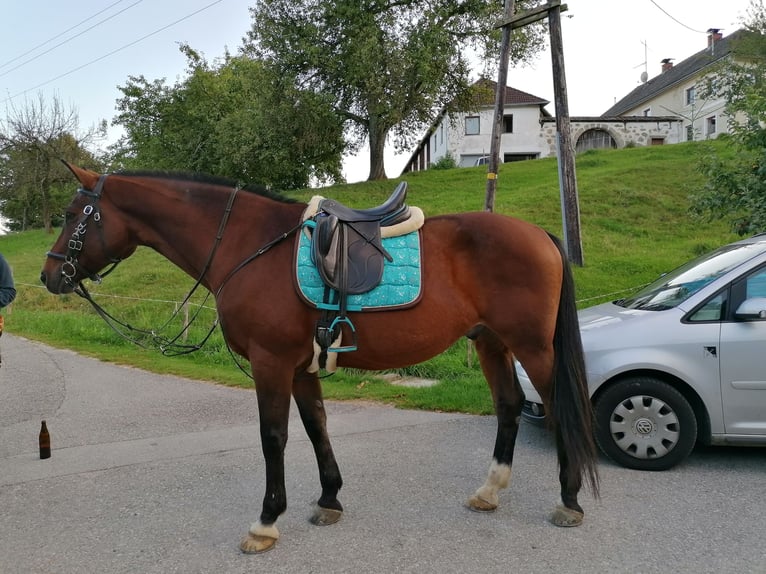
{"x":571,"y":406}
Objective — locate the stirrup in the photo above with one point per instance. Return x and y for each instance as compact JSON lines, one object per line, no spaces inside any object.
{"x":336,"y":322}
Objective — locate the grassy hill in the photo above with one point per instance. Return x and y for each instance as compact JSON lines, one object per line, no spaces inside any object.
{"x":635,"y":225}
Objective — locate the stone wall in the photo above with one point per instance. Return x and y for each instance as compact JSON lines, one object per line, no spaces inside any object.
{"x":625,"y":131}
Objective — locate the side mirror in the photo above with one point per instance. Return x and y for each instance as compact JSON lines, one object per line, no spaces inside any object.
{"x":752,"y":309}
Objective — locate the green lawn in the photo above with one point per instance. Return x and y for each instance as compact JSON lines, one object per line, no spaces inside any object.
{"x":635,"y":225}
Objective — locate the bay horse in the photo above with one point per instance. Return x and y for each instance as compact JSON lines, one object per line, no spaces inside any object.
{"x":502,"y":282}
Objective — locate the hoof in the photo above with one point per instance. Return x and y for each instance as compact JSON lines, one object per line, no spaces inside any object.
{"x":325,"y":516}
{"x":564,"y":516}
{"x":259,"y":539}
{"x":256,"y":544}
{"x":479,"y":504}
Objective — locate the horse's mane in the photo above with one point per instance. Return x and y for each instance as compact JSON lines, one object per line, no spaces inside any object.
{"x":209,"y":179}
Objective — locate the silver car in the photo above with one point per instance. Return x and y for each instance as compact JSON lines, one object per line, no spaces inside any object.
{"x":681,"y":361}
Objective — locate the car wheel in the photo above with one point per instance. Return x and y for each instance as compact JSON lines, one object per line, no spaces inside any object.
{"x":645,"y":424}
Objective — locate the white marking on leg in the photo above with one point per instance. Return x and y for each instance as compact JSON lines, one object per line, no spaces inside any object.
{"x":258,"y":529}
{"x":499,"y":477}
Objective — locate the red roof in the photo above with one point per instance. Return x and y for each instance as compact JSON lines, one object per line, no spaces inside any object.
{"x":486,"y":97}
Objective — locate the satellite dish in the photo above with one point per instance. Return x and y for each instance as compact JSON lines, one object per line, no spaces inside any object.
{"x":644,"y":77}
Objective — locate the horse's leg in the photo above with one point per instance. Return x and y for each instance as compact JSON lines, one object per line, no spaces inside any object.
{"x":308,"y":396}
{"x":273,"y":408}
{"x":539,"y":365}
{"x":569,"y":512}
{"x":497,"y":365}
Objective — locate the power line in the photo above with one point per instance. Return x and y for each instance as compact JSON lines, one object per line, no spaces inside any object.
{"x":133,"y":43}
{"x":676,"y":20}
{"x":49,"y":40}
{"x":32,"y":59}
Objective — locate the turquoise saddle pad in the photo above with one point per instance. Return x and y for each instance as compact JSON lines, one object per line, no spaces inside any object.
{"x":400,"y":286}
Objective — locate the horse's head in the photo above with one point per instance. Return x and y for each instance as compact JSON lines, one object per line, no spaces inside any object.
{"x":93,"y":237}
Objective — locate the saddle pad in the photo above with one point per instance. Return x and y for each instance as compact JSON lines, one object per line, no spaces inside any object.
{"x":400,"y":286}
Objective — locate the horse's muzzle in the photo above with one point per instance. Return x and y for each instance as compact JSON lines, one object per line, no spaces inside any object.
{"x":55,"y":282}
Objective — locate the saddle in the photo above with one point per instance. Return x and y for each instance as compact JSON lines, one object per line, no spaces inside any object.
{"x":347,"y":250}
{"x":347,"y":246}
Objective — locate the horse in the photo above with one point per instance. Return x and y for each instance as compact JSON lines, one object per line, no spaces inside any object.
{"x":504,"y":283}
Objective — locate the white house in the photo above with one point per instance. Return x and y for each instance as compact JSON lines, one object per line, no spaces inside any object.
{"x":466,"y":135}
{"x":679,"y":91}
{"x":666,"y":109}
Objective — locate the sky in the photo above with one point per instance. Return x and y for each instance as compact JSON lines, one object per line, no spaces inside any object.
{"x":80,"y":51}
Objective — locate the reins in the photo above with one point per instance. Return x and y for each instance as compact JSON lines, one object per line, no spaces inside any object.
{"x":169,"y":346}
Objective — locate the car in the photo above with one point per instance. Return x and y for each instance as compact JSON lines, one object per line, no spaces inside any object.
{"x":483,"y":160}
{"x":680,"y":362}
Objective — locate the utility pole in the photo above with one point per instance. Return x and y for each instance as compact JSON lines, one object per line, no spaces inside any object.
{"x":497,"y":125}
{"x":570,"y":208}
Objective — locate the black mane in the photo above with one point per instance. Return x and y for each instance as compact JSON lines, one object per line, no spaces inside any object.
{"x":209,"y":179}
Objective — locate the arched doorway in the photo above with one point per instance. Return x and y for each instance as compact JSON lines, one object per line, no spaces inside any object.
{"x":595,"y":139}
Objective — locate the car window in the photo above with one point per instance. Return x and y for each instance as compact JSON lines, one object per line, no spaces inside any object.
{"x":710,"y":311}
{"x":675,"y":287}
{"x":756,"y":285}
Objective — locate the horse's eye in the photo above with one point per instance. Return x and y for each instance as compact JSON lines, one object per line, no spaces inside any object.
{"x":69,"y":216}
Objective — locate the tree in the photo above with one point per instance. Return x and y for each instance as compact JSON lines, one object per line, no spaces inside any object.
{"x":232,"y":118}
{"x":387,"y":64}
{"x":34,"y":184}
{"x":736,"y":177}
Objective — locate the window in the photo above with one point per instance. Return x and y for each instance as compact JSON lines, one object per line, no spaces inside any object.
{"x":756,"y":285}
{"x":657,"y":141}
{"x":472,"y":125}
{"x":752,"y":286}
{"x":710,"y":311}
{"x":710,"y":124}
{"x":691,"y":95}
{"x":508,"y":124}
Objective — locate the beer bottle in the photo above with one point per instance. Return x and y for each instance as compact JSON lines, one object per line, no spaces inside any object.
{"x":45,"y":442}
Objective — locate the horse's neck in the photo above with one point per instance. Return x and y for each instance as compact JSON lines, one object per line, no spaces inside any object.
{"x":188,"y":227}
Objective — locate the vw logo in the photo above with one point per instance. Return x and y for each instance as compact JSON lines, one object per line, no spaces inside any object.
{"x":644,"y":426}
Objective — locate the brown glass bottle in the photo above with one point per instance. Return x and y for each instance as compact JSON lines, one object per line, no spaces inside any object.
{"x":45,"y":441}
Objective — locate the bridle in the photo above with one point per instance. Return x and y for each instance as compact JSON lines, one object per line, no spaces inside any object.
{"x":167,"y":345}
{"x":72,"y":266}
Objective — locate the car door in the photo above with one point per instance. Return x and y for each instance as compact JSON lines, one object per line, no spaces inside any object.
{"x":743,"y":362}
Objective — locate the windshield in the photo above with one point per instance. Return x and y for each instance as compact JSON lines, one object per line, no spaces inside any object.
{"x":673,"y":288}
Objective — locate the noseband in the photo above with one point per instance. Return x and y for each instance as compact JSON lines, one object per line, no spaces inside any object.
{"x":72,"y":265}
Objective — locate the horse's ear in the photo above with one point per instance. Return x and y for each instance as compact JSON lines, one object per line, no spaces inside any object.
{"x":86,"y":177}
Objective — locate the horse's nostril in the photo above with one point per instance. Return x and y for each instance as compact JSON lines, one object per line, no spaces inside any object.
{"x":42,"y":277}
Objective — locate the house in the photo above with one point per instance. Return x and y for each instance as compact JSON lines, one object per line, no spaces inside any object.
{"x":679,"y":90}
{"x":465,"y":136}
{"x":666,"y":109}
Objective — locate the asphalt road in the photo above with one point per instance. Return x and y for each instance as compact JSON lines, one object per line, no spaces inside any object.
{"x":155,"y":474}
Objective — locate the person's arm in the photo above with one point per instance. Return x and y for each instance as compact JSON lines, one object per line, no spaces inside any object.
{"x":7,"y":287}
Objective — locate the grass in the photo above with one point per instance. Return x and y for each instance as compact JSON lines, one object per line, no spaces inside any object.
{"x":635,"y":225}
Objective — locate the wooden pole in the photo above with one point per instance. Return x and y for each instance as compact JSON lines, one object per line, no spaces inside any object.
{"x":570,"y":207}
{"x":497,"y":125}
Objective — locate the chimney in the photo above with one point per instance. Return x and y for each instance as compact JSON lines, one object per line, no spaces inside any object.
{"x":713,"y":36}
{"x":667,"y":64}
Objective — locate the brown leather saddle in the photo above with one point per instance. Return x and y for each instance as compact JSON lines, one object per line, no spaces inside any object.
{"x":347,"y":245}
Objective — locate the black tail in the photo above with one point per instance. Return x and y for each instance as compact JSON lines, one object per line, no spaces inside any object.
{"x":571,"y":406}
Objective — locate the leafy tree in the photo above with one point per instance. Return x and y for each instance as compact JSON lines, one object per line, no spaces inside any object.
{"x":387,"y":64}
{"x":736,"y":178}
{"x":34,"y":184}
{"x":233,"y":118}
